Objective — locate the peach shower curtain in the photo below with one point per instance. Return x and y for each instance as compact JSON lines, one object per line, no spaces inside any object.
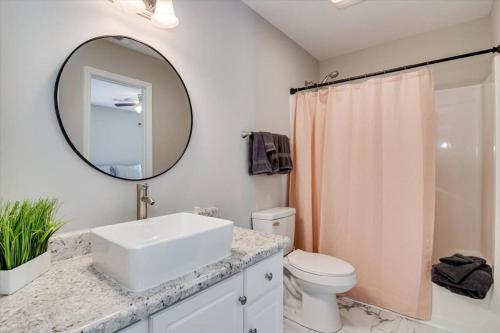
{"x":364,"y":184}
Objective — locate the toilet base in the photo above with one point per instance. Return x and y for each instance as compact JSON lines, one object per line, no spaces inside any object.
{"x":312,"y":309}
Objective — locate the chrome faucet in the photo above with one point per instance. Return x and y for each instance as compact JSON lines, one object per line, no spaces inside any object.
{"x":143,"y":200}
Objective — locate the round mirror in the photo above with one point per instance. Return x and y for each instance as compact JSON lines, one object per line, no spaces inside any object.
{"x":123,"y":108}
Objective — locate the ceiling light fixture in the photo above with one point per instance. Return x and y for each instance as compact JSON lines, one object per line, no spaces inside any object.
{"x":345,"y":3}
{"x":160,"y":12}
{"x":164,"y":15}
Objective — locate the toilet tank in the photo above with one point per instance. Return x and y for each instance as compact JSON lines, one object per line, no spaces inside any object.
{"x":278,"y":221}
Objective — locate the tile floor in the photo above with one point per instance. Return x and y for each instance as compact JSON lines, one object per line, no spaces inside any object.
{"x":360,"y":318}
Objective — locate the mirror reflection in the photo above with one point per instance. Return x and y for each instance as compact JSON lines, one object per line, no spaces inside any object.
{"x":123,"y":108}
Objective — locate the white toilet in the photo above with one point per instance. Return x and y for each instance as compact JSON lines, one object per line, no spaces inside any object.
{"x":311,"y":280}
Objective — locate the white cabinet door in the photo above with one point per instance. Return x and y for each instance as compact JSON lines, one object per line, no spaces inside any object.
{"x":263,"y":277}
{"x":266,"y":314}
{"x":214,"y":310}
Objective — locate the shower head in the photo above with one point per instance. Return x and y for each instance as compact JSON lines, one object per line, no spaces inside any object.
{"x":330,"y":76}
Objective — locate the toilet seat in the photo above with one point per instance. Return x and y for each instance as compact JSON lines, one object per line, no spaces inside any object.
{"x":319,"y":264}
{"x":319,"y":269}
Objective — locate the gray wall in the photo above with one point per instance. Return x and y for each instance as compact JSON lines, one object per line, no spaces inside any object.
{"x":238,"y":70}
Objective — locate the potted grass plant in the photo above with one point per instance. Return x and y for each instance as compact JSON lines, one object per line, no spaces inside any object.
{"x":25,"y":229}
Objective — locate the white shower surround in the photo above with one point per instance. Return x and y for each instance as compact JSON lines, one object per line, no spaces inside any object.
{"x":458,"y":313}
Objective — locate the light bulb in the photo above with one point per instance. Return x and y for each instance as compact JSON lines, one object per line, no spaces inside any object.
{"x":131,"y":6}
{"x":138,"y":108}
{"x":164,"y":15}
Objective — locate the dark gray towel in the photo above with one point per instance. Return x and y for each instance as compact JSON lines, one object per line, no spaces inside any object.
{"x":271,"y":151}
{"x":457,"y":267}
{"x":282,"y":144}
{"x":459,"y":259}
{"x":475,"y":285}
{"x":467,"y":276}
{"x":258,"y":157}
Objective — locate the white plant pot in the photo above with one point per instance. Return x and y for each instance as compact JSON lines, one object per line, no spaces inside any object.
{"x":16,"y":278}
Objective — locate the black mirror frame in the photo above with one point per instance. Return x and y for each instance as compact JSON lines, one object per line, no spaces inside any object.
{"x":66,"y":136}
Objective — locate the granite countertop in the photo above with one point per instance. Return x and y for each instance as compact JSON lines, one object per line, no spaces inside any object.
{"x":73,"y":297}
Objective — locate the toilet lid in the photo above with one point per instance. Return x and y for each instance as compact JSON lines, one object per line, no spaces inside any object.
{"x":319,"y":264}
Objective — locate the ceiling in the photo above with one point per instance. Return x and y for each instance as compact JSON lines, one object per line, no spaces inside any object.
{"x":135,"y":46}
{"x":326,"y":31}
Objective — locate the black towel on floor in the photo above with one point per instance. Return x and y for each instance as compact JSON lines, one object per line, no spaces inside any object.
{"x":282,"y":144}
{"x":467,"y":276}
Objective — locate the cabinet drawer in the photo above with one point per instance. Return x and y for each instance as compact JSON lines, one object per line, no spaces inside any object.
{"x":263,"y":276}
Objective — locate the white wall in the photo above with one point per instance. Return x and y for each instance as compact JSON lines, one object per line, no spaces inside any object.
{"x":461,"y":38}
{"x":488,"y":170}
{"x":237,"y":68}
{"x":454,"y":312}
{"x":465,"y":171}
{"x":458,"y":171}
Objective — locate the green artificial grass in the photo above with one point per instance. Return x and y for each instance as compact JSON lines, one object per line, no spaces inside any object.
{"x":25,"y":229}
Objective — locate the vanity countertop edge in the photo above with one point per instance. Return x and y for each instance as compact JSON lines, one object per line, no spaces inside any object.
{"x":73,"y":297}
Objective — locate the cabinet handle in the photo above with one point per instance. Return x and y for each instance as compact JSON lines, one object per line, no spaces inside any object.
{"x":252,"y":330}
{"x":269,"y":276}
{"x":243,"y":300}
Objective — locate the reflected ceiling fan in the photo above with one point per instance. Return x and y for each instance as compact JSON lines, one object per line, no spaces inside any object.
{"x":128,"y":102}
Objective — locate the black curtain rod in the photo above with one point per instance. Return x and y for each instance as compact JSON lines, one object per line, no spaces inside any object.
{"x":495,"y":49}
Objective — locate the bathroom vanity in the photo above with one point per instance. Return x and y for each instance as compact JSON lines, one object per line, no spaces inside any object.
{"x":250,"y":301}
{"x":242,"y":293}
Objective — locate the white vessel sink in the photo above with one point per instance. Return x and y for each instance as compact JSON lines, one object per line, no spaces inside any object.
{"x":143,"y":254}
